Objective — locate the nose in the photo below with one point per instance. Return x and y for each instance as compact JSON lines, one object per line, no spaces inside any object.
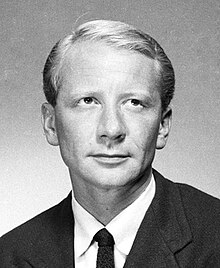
{"x":111,"y":128}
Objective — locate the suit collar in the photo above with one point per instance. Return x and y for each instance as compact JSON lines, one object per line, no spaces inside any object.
{"x":170,"y":215}
{"x":66,"y":235}
{"x":54,"y":245}
{"x":164,"y":230}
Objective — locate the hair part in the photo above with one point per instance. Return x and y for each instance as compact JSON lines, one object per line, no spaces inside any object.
{"x":119,"y":36}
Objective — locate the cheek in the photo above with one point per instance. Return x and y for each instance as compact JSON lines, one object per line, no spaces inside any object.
{"x":145,"y":135}
{"x":74,"y":134}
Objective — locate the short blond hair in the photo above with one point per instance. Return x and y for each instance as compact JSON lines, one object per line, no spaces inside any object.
{"x":118,"y":35}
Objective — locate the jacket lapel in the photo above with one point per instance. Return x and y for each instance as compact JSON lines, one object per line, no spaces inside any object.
{"x":164,"y":230}
{"x":55,"y":246}
{"x":66,"y":235}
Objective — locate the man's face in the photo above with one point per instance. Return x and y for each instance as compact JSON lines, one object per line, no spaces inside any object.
{"x":108,"y":118}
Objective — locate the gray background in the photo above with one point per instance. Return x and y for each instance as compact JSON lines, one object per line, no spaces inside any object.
{"x":33,"y":176}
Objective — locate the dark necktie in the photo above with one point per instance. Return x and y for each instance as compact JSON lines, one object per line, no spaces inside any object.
{"x":105,"y":256}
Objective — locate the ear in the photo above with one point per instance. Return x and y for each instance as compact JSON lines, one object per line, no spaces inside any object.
{"x":48,"y":122}
{"x":164,"y":129}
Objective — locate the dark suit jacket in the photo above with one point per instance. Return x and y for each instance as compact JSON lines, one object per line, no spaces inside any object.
{"x":180,"y":229}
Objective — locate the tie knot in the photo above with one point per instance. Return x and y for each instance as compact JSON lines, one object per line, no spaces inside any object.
{"x":104,"y":238}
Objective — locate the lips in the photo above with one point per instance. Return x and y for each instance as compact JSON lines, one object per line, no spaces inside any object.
{"x":110,"y":159}
{"x":111,"y":155}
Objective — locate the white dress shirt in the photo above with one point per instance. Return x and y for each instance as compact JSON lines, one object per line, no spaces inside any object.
{"x":123,"y":227}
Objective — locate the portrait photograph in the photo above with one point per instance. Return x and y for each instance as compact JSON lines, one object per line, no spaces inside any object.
{"x":110,"y":126}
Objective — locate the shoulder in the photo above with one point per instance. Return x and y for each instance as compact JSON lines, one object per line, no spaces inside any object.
{"x":194,"y":201}
{"x":32,"y":227}
{"x":35,"y":233}
{"x":199,"y":204}
{"x":200,"y":210}
{"x":198,"y":199}
{"x":203,"y":215}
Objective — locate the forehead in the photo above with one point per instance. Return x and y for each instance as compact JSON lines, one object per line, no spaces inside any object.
{"x":97,"y":60}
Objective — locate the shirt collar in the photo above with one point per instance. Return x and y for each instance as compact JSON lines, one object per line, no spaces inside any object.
{"x":86,"y":226}
{"x":123,"y":227}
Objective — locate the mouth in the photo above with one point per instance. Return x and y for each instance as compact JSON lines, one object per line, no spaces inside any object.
{"x":111,"y":159}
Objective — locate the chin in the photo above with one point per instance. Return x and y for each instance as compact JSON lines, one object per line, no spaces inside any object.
{"x":113,"y":179}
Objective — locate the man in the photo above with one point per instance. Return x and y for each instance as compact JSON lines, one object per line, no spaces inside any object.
{"x":108,"y":87}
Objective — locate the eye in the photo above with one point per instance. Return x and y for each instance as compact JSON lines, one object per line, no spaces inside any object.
{"x":135,"y":102}
{"x":134,"y":105}
{"x":87,"y":101}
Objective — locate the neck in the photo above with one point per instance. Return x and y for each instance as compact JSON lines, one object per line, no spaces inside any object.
{"x":105,"y":203}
